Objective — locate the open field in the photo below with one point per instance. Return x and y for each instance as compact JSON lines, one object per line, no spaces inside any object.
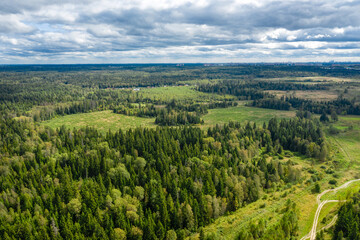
{"x":103,"y":121}
{"x":349,"y":137}
{"x":313,"y":80}
{"x":326,"y":79}
{"x":348,"y":122}
{"x":242,"y":113}
{"x":312,"y":95}
{"x":180,"y":93}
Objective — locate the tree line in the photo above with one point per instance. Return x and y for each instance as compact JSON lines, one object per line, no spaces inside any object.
{"x":341,"y":105}
{"x":173,"y":113}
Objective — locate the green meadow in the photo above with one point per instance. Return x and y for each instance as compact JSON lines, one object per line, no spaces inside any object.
{"x":102,"y":120}
{"x":243,"y":113}
{"x":181,"y":93}
{"x":105,"y":120}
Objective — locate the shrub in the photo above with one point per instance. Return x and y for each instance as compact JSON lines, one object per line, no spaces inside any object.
{"x":333,"y":182}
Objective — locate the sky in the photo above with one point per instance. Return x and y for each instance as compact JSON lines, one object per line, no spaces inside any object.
{"x":178,"y":31}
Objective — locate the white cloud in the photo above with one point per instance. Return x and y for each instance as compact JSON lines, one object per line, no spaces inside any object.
{"x":12,"y":23}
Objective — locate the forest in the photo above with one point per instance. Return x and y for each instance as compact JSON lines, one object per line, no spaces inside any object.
{"x":173,"y":180}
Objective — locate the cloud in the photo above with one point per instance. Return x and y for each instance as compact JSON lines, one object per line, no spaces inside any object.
{"x":42,"y":31}
{"x":13,"y":24}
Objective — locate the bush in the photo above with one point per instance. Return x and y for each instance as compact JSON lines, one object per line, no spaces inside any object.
{"x":333,"y":182}
{"x":333,"y":130}
{"x":316,"y":188}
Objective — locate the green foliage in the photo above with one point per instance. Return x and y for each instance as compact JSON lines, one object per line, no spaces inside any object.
{"x":286,"y":228}
{"x":347,"y":225}
{"x":141,"y":183}
{"x":333,"y":182}
{"x":324,"y":117}
{"x":316,"y":188}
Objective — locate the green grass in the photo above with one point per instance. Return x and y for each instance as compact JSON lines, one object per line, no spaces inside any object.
{"x":103,"y":121}
{"x":348,"y":122}
{"x":348,"y":139}
{"x":242,"y":113}
{"x":180,"y":93}
{"x":328,"y":212}
{"x":343,"y":194}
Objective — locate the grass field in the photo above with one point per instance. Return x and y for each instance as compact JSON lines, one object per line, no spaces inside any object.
{"x":317,"y":95}
{"x":312,"y":80}
{"x":348,"y":139}
{"x":180,"y":93}
{"x":103,"y":121}
{"x":242,"y":113}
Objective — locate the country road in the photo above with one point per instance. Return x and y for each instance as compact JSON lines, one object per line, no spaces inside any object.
{"x":312,"y":234}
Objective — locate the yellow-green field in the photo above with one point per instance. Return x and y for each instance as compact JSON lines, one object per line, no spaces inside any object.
{"x":348,"y":139}
{"x":180,"y":93}
{"x":318,"y":95}
{"x":312,"y":80}
{"x":103,"y":121}
{"x":242,"y":113}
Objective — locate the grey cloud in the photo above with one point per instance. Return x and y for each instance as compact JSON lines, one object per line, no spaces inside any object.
{"x":101,"y":30}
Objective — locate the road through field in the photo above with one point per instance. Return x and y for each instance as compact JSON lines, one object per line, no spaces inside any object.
{"x":312,"y":234}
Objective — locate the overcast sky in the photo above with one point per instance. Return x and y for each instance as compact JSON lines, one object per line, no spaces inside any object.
{"x":159,"y":31}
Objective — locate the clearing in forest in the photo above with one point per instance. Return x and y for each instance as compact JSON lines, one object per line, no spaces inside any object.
{"x":242,"y":114}
{"x":102,"y":121}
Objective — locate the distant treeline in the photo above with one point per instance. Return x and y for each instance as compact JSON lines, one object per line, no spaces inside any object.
{"x":236,"y":88}
{"x":256,"y":91}
{"x":248,"y":90}
{"x":340,"y":106}
{"x":20,"y":89}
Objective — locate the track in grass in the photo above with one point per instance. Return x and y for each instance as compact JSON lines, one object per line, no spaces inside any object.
{"x":102,"y":121}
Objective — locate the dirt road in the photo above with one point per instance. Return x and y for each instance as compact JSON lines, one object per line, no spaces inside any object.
{"x":312,"y":234}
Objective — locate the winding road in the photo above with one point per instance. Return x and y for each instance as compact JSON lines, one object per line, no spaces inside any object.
{"x":312,"y":234}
